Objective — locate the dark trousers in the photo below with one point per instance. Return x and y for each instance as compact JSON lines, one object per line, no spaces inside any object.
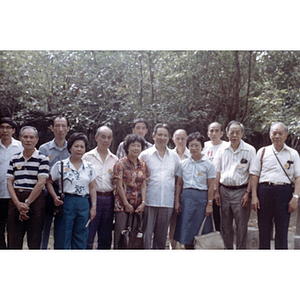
{"x":3,"y":221}
{"x":216,"y":214}
{"x":102,"y":223}
{"x":273,"y":204}
{"x":33,"y":226}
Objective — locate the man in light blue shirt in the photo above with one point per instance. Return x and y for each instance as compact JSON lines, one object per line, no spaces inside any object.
{"x":56,"y":150}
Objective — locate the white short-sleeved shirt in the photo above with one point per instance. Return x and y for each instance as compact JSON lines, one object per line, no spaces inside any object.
{"x":75,"y":182}
{"x":234,"y":165}
{"x":5,"y":156}
{"x":271,"y":169}
{"x":195,"y":174}
{"x":104,"y":170}
{"x":161,"y":181}
{"x":210,"y":150}
{"x":186,"y":154}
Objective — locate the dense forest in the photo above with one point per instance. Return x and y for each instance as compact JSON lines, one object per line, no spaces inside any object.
{"x":185,"y":89}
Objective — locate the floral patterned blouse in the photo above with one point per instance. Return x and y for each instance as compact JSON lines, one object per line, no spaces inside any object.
{"x":133,"y":178}
{"x":75,"y":182}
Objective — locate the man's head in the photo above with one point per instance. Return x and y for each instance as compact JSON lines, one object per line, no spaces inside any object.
{"x":29,"y":137}
{"x":278,"y":135}
{"x":60,"y":127}
{"x":215,"y":132}
{"x":104,"y":137}
{"x":140,"y":127}
{"x":161,"y":135}
{"x":235,"y":132}
{"x":7,"y":128}
{"x":179,"y":138}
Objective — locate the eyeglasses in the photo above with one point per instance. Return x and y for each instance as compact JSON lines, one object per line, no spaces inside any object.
{"x":5,"y":127}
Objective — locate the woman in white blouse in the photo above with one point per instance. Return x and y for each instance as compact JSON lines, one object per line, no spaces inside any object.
{"x":71,"y":230}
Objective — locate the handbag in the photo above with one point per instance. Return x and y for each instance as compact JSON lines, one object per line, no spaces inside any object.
{"x":209,"y":241}
{"x":132,"y":238}
{"x":58,"y":210}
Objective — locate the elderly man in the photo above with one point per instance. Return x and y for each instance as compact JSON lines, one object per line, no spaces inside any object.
{"x":273,"y":196}
{"x":103,"y":161}
{"x":179,"y":139}
{"x":232,"y":163}
{"x":26,"y":178}
{"x":140,"y":127}
{"x":8,"y":147}
{"x":56,"y":150}
{"x":162,"y":166}
{"x":215,"y":133}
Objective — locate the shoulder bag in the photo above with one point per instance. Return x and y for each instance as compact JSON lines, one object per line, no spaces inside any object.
{"x":58,"y":211}
{"x":209,"y":241}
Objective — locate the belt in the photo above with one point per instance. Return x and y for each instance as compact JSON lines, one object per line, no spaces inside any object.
{"x":22,"y":190}
{"x":274,"y":183}
{"x":234,"y":187}
{"x":104,"y":194}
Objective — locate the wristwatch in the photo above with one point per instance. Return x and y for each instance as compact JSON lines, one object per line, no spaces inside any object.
{"x":27,"y":201}
{"x":295,"y":196}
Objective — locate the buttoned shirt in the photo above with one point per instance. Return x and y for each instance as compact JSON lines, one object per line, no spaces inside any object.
{"x":210,"y":150}
{"x":54,"y":152}
{"x":186,"y":154}
{"x":75,"y":181}
{"x":271,"y":170}
{"x":234,"y":165}
{"x":195,"y":173}
{"x":104,"y":170}
{"x":25,"y":173}
{"x":121,"y":152}
{"x":5,"y":157}
{"x":161,"y":182}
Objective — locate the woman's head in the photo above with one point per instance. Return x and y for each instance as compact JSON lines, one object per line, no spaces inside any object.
{"x":195,"y":136}
{"x":133,"y":138}
{"x":77,"y":136}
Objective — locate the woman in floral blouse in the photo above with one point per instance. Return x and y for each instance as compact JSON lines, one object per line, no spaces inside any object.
{"x":79,"y":180}
{"x":130,"y":175}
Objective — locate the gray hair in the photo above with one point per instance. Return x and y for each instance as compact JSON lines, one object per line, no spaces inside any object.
{"x":234,"y":123}
{"x":275,"y":123}
{"x":29,"y":127}
{"x":103,"y":127}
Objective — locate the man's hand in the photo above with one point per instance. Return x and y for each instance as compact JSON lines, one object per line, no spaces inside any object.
{"x":177,"y":208}
{"x":293,"y":204}
{"x":245,"y":200}
{"x":255,"y":204}
{"x":217,"y":198}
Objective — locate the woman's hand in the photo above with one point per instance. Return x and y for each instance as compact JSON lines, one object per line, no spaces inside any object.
{"x":177,"y":208}
{"x":209,"y":209}
{"x":129,"y":208}
{"x":57,"y":201}
{"x":92,"y":212}
{"x":140,"y":208}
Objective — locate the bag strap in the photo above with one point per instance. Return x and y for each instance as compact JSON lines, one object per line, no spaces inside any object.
{"x":203,"y":223}
{"x":62,"y":180}
{"x":282,"y":167}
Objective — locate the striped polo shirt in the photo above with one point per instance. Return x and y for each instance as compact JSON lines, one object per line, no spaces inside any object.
{"x":25,"y":173}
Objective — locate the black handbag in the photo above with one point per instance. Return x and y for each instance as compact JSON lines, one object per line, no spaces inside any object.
{"x":132,"y":237}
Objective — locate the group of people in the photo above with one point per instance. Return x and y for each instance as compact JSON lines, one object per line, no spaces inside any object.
{"x":170,"y":190}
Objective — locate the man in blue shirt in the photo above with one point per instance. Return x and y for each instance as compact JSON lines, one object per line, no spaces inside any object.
{"x":56,"y":150}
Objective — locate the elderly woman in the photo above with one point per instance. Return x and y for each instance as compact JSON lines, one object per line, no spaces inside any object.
{"x":195,"y":184}
{"x":130,"y":175}
{"x":71,"y":229}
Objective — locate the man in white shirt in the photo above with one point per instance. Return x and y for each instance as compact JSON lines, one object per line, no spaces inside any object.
{"x":215,"y":133}
{"x":273,"y":197}
{"x":8,"y":147}
{"x":179,"y":139}
{"x":232,"y":163}
{"x":103,"y":161}
{"x":162,"y":166}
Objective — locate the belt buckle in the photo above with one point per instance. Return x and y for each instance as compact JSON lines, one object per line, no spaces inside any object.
{"x":20,"y":190}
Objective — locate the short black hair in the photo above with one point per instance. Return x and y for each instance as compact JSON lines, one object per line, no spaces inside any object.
{"x":132,"y":138}
{"x":234,"y":123}
{"x":161,"y":125}
{"x":9,"y":121}
{"x":60,"y":117}
{"x":195,"y":136}
{"x":77,"y":136}
{"x":139,"y":120}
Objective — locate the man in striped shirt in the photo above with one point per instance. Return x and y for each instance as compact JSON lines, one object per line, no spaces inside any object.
{"x":232,"y":163}
{"x":26,"y":178}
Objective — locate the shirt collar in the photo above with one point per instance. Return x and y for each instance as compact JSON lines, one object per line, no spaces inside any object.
{"x":154,"y":150}
{"x":240,"y":147}
{"x":53,"y":145}
{"x":97,"y":155}
{"x":34,"y":154}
